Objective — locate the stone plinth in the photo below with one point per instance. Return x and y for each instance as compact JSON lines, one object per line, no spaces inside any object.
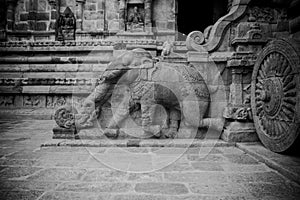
{"x":63,"y":133}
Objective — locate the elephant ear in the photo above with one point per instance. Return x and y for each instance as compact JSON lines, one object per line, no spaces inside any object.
{"x":127,"y":59}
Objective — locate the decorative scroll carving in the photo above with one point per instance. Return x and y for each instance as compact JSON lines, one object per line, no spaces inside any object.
{"x":65,"y":117}
{"x":66,"y":26}
{"x":195,"y":39}
{"x":219,"y":29}
{"x":274,"y":95}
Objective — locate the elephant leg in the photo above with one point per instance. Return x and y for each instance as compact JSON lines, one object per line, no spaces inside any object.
{"x":173,"y":124}
{"x":193,"y":112}
{"x":148,"y":111}
{"x":119,"y":115}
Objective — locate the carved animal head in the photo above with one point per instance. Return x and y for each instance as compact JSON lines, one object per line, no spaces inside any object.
{"x":168,"y":48}
{"x":131,"y":59}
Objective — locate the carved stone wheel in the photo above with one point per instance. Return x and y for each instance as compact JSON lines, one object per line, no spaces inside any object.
{"x":275,"y":94}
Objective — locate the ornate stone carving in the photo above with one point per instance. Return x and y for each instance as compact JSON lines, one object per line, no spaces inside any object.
{"x":33,"y":101}
{"x":148,"y":84}
{"x":194,"y":39}
{"x":66,"y":26}
{"x":218,"y":31}
{"x":261,"y":14}
{"x":168,"y":48}
{"x":135,"y":18}
{"x":55,"y":101}
{"x":238,"y":113}
{"x":275,"y":95}
{"x":6,"y":101}
{"x":65,"y":117}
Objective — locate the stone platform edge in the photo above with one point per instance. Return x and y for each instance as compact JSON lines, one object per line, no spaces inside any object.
{"x":292,"y":175}
{"x":179,"y":143}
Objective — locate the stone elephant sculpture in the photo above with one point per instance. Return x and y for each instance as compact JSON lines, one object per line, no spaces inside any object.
{"x":176,"y":86}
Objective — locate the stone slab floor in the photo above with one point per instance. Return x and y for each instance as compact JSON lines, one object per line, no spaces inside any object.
{"x":28,"y":171}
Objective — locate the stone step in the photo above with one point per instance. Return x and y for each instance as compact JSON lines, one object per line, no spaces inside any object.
{"x":26,"y":113}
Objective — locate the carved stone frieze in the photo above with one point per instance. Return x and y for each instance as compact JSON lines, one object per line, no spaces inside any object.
{"x":6,"y":101}
{"x":55,"y":101}
{"x":34,"y":101}
{"x":261,"y":14}
{"x":238,"y":113}
{"x":46,"y":81}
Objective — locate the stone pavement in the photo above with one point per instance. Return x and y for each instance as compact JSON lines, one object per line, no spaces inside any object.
{"x":28,"y":171}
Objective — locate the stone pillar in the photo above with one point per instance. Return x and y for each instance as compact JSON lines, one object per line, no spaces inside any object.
{"x":247,"y":43}
{"x":122,"y":20}
{"x":53,"y":14}
{"x":10,"y":14}
{"x":236,"y":88}
{"x":79,"y":14}
{"x":148,"y":15}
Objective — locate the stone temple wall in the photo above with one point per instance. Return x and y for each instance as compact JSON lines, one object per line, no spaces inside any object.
{"x":40,"y":71}
{"x":95,"y":19}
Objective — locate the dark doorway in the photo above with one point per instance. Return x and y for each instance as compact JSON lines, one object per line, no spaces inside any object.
{"x":197,"y":15}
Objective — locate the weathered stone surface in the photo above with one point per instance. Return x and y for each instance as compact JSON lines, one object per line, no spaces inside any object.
{"x":145,"y":177}
{"x":182,"y":180}
{"x":241,"y":159}
{"x":109,"y":187}
{"x":26,"y":195}
{"x":138,"y":197}
{"x":207,"y":158}
{"x":72,"y":195}
{"x":161,"y":188}
{"x":27,"y":185}
{"x":223,"y":189}
{"x":104,"y":176}
{"x":207,"y":166}
{"x":17,"y":172}
{"x":55,"y":174}
{"x":287,"y":165}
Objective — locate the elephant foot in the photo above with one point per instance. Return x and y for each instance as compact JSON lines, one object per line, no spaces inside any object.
{"x":171,"y":133}
{"x":152,"y":131}
{"x":111,"y":133}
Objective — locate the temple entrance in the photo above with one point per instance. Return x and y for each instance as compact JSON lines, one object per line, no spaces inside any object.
{"x":191,"y":17}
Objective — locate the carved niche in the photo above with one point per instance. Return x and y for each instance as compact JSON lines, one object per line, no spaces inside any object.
{"x":66,"y":26}
{"x":135,"y":15}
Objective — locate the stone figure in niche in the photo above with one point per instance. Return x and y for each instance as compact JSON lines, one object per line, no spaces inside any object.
{"x":135,"y":19}
{"x":66,"y":26}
